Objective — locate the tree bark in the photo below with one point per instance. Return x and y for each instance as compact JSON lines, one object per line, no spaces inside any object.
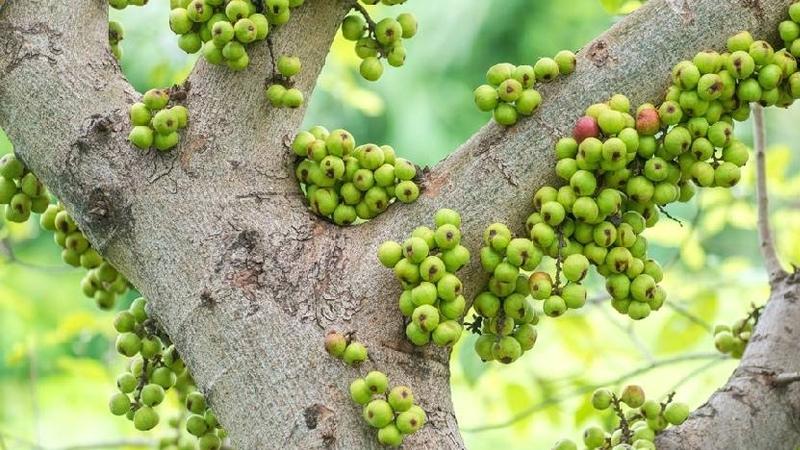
{"x":240,"y":274}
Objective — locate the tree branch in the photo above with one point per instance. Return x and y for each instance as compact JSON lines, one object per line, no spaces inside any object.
{"x":751,"y":411}
{"x":766,"y":241}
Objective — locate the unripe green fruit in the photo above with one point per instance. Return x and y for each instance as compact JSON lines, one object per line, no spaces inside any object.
{"x":724,"y":341}
{"x":594,"y":437}
{"x":236,"y":9}
{"x":354,"y":354}
{"x":164,"y":377}
{"x":426,"y":317}
{"x":509,"y":90}
{"x":528,"y":102}
{"x":525,"y":76}
{"x":611,"y":122}
{"x":564,"y":444}
{"x":500,"y":326}
{"x":446,"y":333}
{"x":196,"y":425}
{"x":740,"y":64}
{"x":505,"y":114}
{"x":670,"y":113}
{"x":164,"y":142}
{"x":575,"y":267}
{"x":209,"y":441}
{"x":523,"y":254}
{"x":378,"y":413}
{"x":360,"y":392}
{"x":601,"y":399}
{"x":155,"y":99}
{"x":707,"y":62}
{"x":377,"y":382}
{"x":124,"y":322}
{"x":390,"y":253}
{"x":554,"y":306}
{"x":140,"y":114}
{"x":585,"y":209}
{"x":390,"y":436}
{"x":407,"y":272}
{"x":128,"y":344}
{"x":727,"y":174}
{"x":618,"y":259}
{"x":353,"y":27}
{"x":449,"y":287}
{"x":447,"y":236}
{"x":371,"y":68}
{"x":275,"y":94}
{"x":499,"y":73}
{"x":165,"y":121}
{"x":685,"y":75}
{"x":638,"y":310}
{"x":487,"y":304}
{"x":736,"y":153}
{"x":292,"y":98}
{"x":486,"y":97}
{"x":546,"y":69}
{"x":415,"y":249}
{"x":506,"y":350}
{"x":141,"y":137}
{"x":152,"y":395}
{"x":119,"y":404}
{"x":288,"y":66}
{"x":416,"y":335}
{"x":632,"y":396}
{"x":410,"y":421}
{"x":702,"y":173}
{"x":401,"y":398}
{"x":405,"y":304}
{"x":145,"y":419}
{"x":676,"y":413}
{"x":740,"y":42}
{"x":574,"y":295}
{"x":245,"y":32}
{"x":262,"y":26}
{"x":566,"y":62}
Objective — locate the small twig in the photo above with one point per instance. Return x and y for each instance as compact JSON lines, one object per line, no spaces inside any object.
{"x":670,"y":216}
{"x":585,"y":389}
{"x":363,"y":11}
{"x":558,"y":261}
{"x":692,"y":229}
{"x":767,"y":243}
{"x":783,"y":379}
{"x":628,"y":331}
{"x":7,"y":251}
{"x":693,"y":374}
{"x":623,"y":422}
{"x":689,"y":315}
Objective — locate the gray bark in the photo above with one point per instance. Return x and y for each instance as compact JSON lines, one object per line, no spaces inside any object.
{"x":240,"y":274}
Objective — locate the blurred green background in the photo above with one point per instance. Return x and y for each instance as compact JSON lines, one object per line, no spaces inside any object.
{"x":57,"y":364}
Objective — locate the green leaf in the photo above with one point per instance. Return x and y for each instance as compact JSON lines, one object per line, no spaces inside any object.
{"x":679,"y":332}
{"x":612,"y":6}
{"x":470,"y":363}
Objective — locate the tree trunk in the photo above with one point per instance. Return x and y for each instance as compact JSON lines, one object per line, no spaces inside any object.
{"x":245,"y":279}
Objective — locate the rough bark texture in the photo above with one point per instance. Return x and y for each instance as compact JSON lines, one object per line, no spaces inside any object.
{"x":246,"y":280}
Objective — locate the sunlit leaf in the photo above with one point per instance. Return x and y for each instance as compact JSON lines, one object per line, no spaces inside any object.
{"x":679,"y":332}
{"x":471,"y":366}
{"x":693,"y":255}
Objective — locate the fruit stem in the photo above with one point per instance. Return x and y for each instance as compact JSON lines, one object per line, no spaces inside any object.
{"x":363,"y":11}
{"x":623,"y":422}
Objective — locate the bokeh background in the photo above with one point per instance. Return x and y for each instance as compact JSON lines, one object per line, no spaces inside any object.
{"x":57,"y":363}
